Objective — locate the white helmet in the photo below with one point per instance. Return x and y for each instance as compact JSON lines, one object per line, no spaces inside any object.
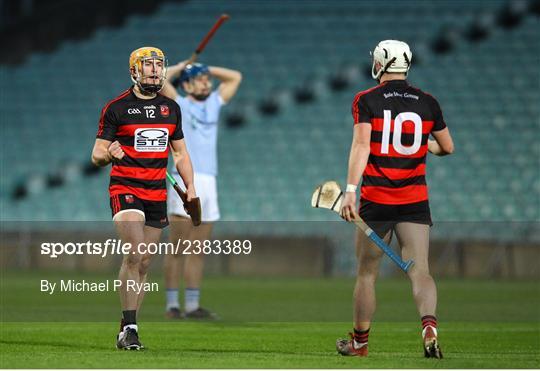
{"x":393,"y":55}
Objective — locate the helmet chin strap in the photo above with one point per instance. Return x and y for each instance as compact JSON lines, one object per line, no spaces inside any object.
{"x":149,"y":88}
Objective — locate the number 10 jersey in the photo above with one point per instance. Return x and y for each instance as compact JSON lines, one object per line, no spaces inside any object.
{"x":401,"y":118}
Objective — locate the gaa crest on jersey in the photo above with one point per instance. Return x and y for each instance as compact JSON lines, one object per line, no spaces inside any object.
{"x":129,"y":199}
{"x":164,"y":110}
{"x":151,"y":139}
{"x":134,"y":111}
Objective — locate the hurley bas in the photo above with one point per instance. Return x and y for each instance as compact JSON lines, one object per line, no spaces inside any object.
{"x":103,"y":286}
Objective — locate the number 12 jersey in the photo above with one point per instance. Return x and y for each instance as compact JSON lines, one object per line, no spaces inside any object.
{"x":144,"y":129}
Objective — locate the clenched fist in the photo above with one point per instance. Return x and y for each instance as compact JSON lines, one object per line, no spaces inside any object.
{"x":348,"y":207}
{"x":115,"y":151}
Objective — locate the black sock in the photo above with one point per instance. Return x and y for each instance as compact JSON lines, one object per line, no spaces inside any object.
{"x":361,"y":336}
{"x":130,"y":317}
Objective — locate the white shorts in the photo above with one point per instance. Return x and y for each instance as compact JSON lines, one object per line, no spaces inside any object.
{"x":206,"y":189}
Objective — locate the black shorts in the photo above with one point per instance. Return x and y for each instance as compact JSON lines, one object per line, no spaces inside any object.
{"x":155,"y":212}
{"x":382,"y":218}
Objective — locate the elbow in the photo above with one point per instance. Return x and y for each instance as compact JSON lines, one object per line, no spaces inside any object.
{"x":177,"y":159}
{"x":448,"y":150}
{"x":238,"y":76}
{"x":360,"y":150}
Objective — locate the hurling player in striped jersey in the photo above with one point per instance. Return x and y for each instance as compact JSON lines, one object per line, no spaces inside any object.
{"x":392,"y":125}
{"x":136,"y":131}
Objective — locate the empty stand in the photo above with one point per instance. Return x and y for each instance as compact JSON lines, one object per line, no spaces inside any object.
{"x":489,"y":92}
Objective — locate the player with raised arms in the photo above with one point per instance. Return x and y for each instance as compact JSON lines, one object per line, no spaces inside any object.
{"x":136,"y":131}
{"x":200,"y":114}
{"x":392,"y":124}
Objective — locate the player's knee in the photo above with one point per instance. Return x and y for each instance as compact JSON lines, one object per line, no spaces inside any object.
{"x":129,"y":217}
{"x":143,"y":270}
{"x":368,"y":264}
{"x":144,"y":264}
{"x":367,"y":272}
{"x":132,"y":261}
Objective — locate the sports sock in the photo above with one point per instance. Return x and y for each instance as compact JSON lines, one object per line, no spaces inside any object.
{"x":360,"y":338}
{"x":130,"y":317}
{"x":429,"y":321}
{"x":172,"y":299}
{"x":192,"y":299}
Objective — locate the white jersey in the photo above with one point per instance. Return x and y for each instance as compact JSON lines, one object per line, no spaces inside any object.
{"x":200,"y":127}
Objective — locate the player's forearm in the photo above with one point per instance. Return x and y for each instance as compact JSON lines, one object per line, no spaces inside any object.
{"x":174,"y":71}
{"x":185,"y":169}
{"x":358,"y":159}
{"x":225,"y":74}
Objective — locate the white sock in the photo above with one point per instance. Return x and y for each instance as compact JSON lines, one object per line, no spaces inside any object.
{"x":192,"y":299}
{"x":131,"y":326}
{"x":172,"y":299}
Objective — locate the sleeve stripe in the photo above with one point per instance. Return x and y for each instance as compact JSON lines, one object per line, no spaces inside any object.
{"x":355,"y":112}
{"x":104,"y":110}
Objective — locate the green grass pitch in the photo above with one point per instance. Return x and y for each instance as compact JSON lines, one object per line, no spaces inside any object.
{"x":270,"y":323}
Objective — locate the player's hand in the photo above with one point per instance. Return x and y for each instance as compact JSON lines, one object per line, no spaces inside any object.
{"x":190,"y":192}
{"x":431,"y":145}
{"x":348,"y":207}
{"x":192,"y":205}
{"x":115,"y":151}
{"x":183,"y":64}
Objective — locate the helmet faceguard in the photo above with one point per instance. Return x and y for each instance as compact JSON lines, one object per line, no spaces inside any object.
{"x":394,"y":57}
{"x":138,"y":59}
{"x":191,"y":72}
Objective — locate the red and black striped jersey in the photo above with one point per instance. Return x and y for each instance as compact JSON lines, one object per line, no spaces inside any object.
{"x":144,"y":128}
{"x":401,"y":117}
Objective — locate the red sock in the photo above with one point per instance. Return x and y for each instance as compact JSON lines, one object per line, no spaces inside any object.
{"x":429,"y":321}
{"x":361,"y":336}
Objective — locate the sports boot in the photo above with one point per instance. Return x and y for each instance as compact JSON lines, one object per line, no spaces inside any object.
{"x":431,"y":345}
{"x":345,"y":347}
